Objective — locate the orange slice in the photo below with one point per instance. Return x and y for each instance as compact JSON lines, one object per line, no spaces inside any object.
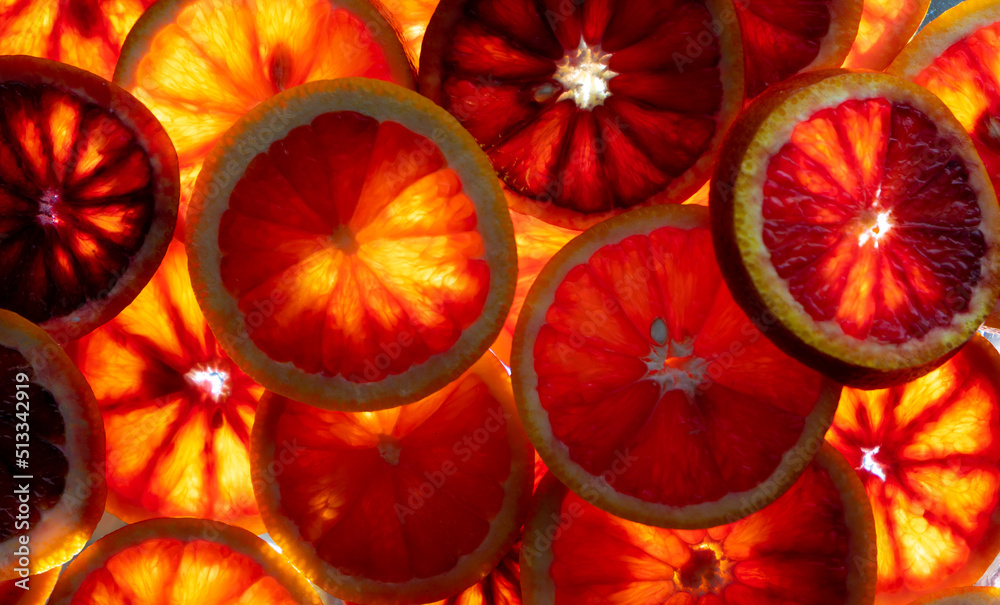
{"x":201,"y":64}
{"x":181,"y":562}
{"x":854,"y":220}
{"x":886,"y":26}
{"x":407,"y":505}
{"x":588,"y":108}
{"x":350,"y":244}
{"x":52,"y":486}
{"x":957,"y":57}
{"x":645,"y":388}
{"x":88,"y":195}
{"x":967,"y":595}
{"x":784,"y":37}
{"x":84,"y":33}
{"x":33,"y":590}
{"x":410,"y":18}
{"x":177,"y":411}
{"x":812,"y":546}
{"x":928,"y":453}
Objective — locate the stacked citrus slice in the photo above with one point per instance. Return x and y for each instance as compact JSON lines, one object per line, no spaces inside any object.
{"x":886,"y":26}
{"x":33,"y":590}
{"x":972,"y":595}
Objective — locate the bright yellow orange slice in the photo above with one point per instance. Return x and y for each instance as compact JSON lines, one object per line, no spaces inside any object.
{"x":181,"y":562}
{"x":84,"y":33}
{"x":928,"y":453}
{"x":813,"y":546}
{"x":52,"y":488}
{"x":201,"y":64}
{"x":407,"y":505}
{"x":966,"y":595}
{"x":350,"y":245}
{"x":177,"y":411}
{"x":886,"y":26}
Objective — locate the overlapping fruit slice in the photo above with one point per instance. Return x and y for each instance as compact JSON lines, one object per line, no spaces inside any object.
{"x":88,"y":195}
{"x":928,"y":453}
{"x":957,"y":57}
{"x":181,"y":562}
{"x":33,"y":590}
{"x":813,"y":546}
{"x":177,"y":411}
{"x":853,"y":218}
{"x":645,"y":388}
{"x":410,"y":18}
{"x":967,"y":595}
{"x":201,"y":64}
{"x":85,"y":33}
{"x":588,"y":108}
{"x":351,"y":242}
{"x":784,"y":37}
{"x":886,"y":26}
{"x":52,"y":487}
{"x":407,"y":505}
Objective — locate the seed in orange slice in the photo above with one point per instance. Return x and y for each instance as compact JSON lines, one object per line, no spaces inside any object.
{"x":813,"y":546}
{"x":784,"y":37}
{"x":410,"y":18}
{"x":957,"y":57}
{"x":181,"y":562}
{"x":88,"y":195}
{"x":33,"y":590}
{"x":645,"y":388}
{"x":177,"y":411}
{"x":52,"y":487}
{"x":886,"y":26}
{"x":84,"y":33}
{"x":966,"y":595}
{"x":201,"y":64}
{"x":350,"y":245}
{"x":407,"y":505}
{"x":854,"y":221}
{"x":928,"y":453}
{"x":588,"y":108}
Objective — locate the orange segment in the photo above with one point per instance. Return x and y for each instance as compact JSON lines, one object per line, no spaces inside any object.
{"x":410,"y":18}
{"x":201,"y":64}
{"x":176,"y":409}
{"x":412,"y":504}
{"x":33,"y":590}
{"x":812,"y":545}
{"x":630,"y":351}
{"x":383,"y":232}
{"x":927,"y":452}
{"x":182,"y":562}
{"x":886,"y":26}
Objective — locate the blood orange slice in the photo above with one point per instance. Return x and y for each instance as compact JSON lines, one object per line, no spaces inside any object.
{"x":52,"y":486}
{"x":350,"y":245}
{"x":813,"y":546}
{"x":84,"y":33}
{"x":854,"y":220}
{"x":784,"y":37}
{"x":177,"y":411}
{"x":181,"y":562}
{"x":33,"y":590}
{"x":886,"y":26}
{"x":957,"y":57}
{"x":88,"y":195}
{"x":967,"y":595}
{"x":406,"y":505}
{"x":645,"y":388}
{"x":928,"y":453}
{"x":201,"y":64}
{"x":588,"y":108}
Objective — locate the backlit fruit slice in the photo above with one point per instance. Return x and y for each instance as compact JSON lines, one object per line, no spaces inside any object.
{"x":410,"y":18}
{"x":407,"y":505}
{"x":644,"y":387}
{"x":784,"y":37}
{"x":967,"y":595}
{"x":84,"y":33}
{"x":201,"y":64}
{"x":181,"y":562}
{"x":590,"y":107}
{"x":928,"y":453}
{"x":52,"y":488}
{"x":853,"y":218}
{"x":957,"y":57}
{"x":88,"y":195}
{"x":177,"y":411}
{"x":350,"y":241}
{"x":813,"y":546}
{"x":33,"y":590}
{"x":886,"y":27}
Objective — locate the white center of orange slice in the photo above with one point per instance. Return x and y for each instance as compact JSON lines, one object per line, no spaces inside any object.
{"x":213,"y":382}
{"x":876,"y":227}
{"x":584,"y":74}
{"x":672,"y":364}
{"x":870,"y":464}
{"x":707,"y":570}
